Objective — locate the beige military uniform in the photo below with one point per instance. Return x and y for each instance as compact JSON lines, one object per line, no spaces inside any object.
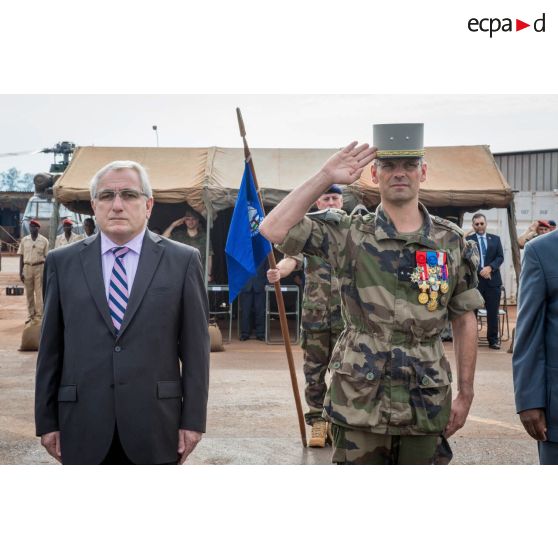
{"x":62,"y":241}
{"x":34,"y":253}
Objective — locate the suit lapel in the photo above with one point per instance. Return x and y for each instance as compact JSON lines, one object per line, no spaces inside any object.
{"x":151,"y":252}
{"x":93,"y":270}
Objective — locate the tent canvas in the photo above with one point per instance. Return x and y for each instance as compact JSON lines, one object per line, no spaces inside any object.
{"x":208,"y":178}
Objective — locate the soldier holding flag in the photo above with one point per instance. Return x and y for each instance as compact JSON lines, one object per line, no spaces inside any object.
{"x":403,"y":273}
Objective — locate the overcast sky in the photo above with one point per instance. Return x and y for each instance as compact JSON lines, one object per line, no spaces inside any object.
{"x":32,"y":122}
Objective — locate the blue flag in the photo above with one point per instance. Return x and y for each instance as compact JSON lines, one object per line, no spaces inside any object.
{"x":246,"y":248}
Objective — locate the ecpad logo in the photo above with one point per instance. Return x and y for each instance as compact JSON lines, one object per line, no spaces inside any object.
{"x":492,"y":25}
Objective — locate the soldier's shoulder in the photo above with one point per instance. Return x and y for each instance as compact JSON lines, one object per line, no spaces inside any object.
{"x":442,"y":223}
{"x":330,"y":215}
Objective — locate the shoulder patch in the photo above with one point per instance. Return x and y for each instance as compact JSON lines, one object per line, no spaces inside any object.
{"x":330,"y":215}
{"x":447,"y":225}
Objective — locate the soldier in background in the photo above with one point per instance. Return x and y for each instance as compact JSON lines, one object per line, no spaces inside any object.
{"x":89,"y":226}
{"x":68,"y":236}
{"x":402,"y":274}
{"x":321,"y":321}
{"x":32,"y":250}
{"x":193,"y":234}
{"x":536,"y":228}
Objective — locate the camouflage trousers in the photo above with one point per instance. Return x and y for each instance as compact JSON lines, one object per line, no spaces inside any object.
{"x":317,"y":348}
{"x":356,"y":447}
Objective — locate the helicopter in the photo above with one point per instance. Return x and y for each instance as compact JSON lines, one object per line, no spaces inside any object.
{"x":42,"y":206}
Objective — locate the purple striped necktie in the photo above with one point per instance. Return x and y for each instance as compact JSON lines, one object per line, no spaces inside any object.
{"x":118,"y":287}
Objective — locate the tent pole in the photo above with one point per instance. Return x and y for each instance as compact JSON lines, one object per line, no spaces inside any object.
{"x":278,"y":294}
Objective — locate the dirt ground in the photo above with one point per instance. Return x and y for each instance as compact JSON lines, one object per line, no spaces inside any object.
{"x":251,"y":418}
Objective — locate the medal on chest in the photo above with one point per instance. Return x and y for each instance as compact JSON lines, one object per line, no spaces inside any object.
{"x":431,"y":277}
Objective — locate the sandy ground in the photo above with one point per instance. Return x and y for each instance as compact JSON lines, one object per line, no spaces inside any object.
{"x":252,"y":419}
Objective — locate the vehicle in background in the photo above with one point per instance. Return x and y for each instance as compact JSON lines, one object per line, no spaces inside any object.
{"x":40,"y":207}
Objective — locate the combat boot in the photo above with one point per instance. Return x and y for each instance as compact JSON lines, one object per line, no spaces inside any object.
{"x":319,"y":435}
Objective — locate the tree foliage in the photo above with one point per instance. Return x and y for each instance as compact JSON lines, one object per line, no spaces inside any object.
{"x":14,"y":180}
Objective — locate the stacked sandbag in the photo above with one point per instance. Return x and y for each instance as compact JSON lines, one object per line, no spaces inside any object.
{"x":31,"y":335}
{"x":215,"y":337}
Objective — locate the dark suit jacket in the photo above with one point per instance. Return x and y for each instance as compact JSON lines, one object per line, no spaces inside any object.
{"x":535,"y":354}
{"x":494,"y":257}
{"x":89,"y":378}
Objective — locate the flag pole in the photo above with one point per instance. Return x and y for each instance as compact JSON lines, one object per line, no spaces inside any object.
{"x":278,"y":293}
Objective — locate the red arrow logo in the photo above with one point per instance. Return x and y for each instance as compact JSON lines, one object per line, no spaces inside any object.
{"x":519,"y":25}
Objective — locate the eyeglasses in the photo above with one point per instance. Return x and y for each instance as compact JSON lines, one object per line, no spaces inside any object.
{"x":125,"y":195}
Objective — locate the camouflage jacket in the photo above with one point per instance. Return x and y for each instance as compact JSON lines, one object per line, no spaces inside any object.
{"x":199,"y":241}
{"x":389,"y":371}
{"x":321,"y":302}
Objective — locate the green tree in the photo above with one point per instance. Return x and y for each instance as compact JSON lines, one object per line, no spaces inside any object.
{"x":14,"y":180}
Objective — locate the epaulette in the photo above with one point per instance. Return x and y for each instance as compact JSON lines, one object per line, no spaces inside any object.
{"x":330,"y":215}
{"x":447,"y":224}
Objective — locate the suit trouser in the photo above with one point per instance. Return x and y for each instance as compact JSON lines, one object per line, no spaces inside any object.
{"x":548,"y":453}
{"x":33,"y":281}
{"x":116,"y":454}
{"x":252,"y":301}
{"x":491,"y":297}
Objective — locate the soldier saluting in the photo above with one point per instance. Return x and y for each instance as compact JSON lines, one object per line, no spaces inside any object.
{"x":403,"y":273}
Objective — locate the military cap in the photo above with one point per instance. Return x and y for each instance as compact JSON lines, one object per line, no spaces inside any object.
{"x":35,"y":222}
{"x":398,"y":140}
{"x":67,"y":222}
{"x":334,"y":189}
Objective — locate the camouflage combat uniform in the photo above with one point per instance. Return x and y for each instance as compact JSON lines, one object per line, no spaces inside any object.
{"x":180,"y":234}
{"x":390,"y":376}
{"x":321,"y":327}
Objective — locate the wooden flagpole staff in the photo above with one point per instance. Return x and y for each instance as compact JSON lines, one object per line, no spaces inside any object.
{"x":278,"y":293}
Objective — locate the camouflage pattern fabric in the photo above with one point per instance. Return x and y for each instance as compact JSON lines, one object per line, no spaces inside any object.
{"x":321,"y":325}
{"x":389,"y":371}
{"x":356,"y":447}
{"x":317,"y":348}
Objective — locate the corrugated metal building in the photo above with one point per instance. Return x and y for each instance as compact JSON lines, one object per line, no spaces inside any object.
{"x":530,"y":171}
{"x":533,"y":176}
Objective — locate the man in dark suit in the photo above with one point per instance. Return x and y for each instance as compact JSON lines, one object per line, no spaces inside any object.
{"x":490,"y":280}
{"x":535,"y":359}
{"x":122,"y":370}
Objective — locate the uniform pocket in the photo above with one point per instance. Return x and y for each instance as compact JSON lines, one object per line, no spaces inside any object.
{"x":356,"y":384}
{"x":430,"y":397}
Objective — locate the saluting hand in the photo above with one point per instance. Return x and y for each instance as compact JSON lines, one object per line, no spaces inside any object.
{"x":187,"y":441}
{"x":346,"y":165}
{"x":178,"y":222}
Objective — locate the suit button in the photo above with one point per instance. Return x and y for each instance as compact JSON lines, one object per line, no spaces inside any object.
{"x":370,"y":376}
{"x":117,"y":349}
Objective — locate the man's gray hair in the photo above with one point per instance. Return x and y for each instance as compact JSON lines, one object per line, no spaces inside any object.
{"x":119,"y":165}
